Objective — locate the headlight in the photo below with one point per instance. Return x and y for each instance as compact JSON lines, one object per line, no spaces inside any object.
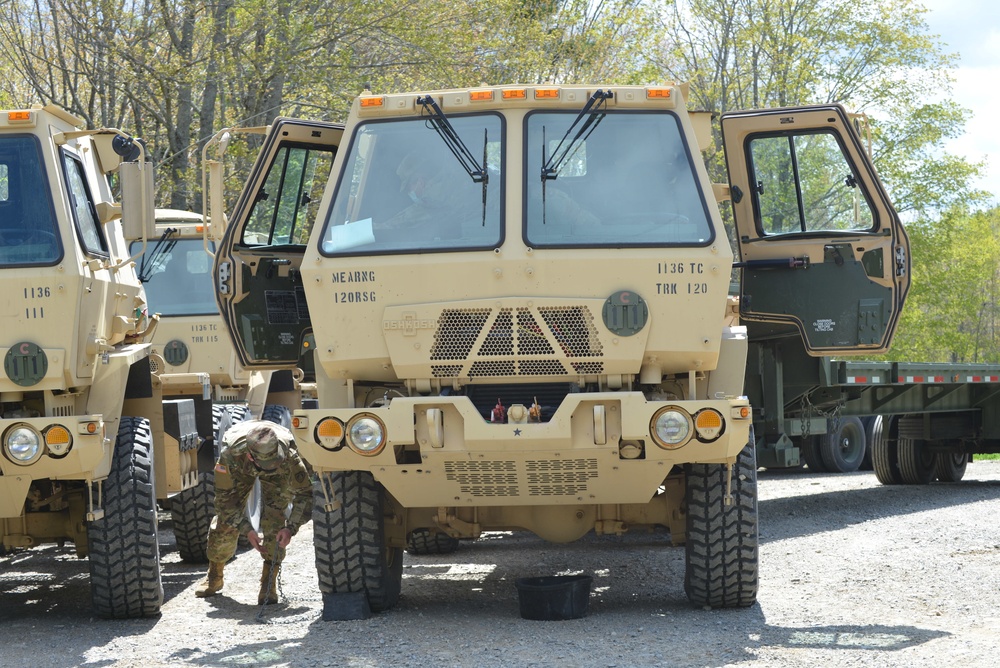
{"x":366,"y":434}
{"x":671,"y":427}
{"x":22,"y":444}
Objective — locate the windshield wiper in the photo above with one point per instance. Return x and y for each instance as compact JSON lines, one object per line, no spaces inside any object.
{"x":457,"y":147}
{"x":451,"y":139}
{"x":597,"y":101}
{"x":149,"y":260}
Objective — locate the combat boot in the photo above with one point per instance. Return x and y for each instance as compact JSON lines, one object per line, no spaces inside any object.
{"x":212,"y":584}
{"x":269,"y":585}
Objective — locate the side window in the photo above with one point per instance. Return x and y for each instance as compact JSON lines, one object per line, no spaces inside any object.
{"x":285,"y":208}
{"x":82,"y":206}
{"x":804,"y":183}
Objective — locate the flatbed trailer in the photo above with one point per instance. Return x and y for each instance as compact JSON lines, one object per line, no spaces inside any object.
{"x":914,"y":422}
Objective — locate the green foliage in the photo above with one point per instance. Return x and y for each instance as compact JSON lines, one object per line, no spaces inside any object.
{"x":951,"y":313}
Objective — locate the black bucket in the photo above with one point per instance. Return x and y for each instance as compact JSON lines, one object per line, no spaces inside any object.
{"x":554,"y":597}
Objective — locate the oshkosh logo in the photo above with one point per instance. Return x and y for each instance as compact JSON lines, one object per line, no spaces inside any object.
{"x":409,"y":324}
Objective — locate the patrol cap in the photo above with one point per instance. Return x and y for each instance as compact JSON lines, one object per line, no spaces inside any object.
{"x":408,"y":168}
{"x":265,"y":447}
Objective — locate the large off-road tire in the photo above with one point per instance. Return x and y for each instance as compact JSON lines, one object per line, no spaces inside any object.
{"x":277,"y":414}
{"x":951,"y":466}
{"x":124,"y":553}
{"x":191,"y":512}
{"x":843,"y":448}
{"x":721,"y":551}
{"x":239,"y":413}
{"x":885,"y":450}
{"x":351,"y":550}
{"x":428,"y":541}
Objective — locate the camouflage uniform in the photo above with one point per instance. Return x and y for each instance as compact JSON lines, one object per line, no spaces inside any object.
{"x":235,"y":473}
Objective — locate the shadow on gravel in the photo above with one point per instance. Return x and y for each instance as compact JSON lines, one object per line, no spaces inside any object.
{"x":806,"y":514}
{"x":874,"y":637}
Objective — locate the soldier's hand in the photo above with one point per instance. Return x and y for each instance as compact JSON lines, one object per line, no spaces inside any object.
{"x":255,"y":541}
{"x":284,"y":537}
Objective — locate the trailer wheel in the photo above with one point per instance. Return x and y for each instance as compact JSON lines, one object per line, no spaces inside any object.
{"x":842,"y":450}
{"x":869,"y":423}
{"x":351,"y":550}
{"x":124,"y":553}
{"x":885,"y":452}
{"x":951,"y":466}
{"x":428,"y":541}
{"x":721,"y":568}
{"x":809,"y":453}
{"x":916,"y":463}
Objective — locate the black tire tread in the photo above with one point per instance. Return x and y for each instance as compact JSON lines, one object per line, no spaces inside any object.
{"x":885,"y":452}
{"x":916,"y":467}
{"x":351,"y":554}
{"x":722,"y":540}
{"x":428,"y":541}
{"x":948,"y":468}
{"x":191,"y":512}
{"x":124,"y":552}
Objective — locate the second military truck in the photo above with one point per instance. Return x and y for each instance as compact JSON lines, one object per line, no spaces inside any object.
{"x":519,"y":297}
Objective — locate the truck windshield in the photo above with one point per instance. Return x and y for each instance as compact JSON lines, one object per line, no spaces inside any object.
{"x":630,"y":182}
{"x":28,"y":233}
{"x":180,"y":282}
{"x":403,"y":190}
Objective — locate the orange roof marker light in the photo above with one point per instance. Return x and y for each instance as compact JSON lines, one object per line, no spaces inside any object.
{"x":18,"y":116}
{"x":546,"y":93}
{"x":369,"y":102}
{"x":481,"y":95}
{"x":514,"y":94}
{"x":658,"y":93}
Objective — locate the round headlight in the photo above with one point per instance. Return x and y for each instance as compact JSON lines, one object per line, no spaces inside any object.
{"x":366,"y":435}
{"x":671,"y":427}
{"x":23,"y":444}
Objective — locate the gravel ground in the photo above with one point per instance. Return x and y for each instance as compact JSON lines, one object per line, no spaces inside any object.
{"x":852,"y":574}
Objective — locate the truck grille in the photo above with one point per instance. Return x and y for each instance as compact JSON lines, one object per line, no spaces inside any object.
{"x":523,"y":341}
{"x":542,"y":478}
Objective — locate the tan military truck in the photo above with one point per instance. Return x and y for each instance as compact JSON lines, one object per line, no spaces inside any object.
{"x":88,"y":444}
{"x":519,"y":297}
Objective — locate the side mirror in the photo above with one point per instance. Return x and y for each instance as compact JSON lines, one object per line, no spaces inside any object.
{"x":138,"y":216}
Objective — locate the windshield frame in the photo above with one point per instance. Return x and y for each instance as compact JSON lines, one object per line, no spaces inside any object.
{"x":495,"y":184}
{"x":531,"y":180}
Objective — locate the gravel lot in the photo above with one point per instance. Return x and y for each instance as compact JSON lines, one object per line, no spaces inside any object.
{"x":852,"y":574}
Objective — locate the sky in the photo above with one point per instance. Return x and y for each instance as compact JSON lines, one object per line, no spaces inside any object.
{"x":971,"y":28}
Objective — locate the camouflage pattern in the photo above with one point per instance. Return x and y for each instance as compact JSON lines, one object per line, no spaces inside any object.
{"x":235,"y":473}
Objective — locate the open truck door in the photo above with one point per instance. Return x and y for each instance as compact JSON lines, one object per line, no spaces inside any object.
{"x":822,"y":249}
{"x":258,"y":283}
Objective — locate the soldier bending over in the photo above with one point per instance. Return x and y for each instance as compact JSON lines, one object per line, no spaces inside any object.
{"x":253,"y":450}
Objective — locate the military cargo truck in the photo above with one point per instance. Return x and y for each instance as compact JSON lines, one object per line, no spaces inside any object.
{"x":88,"y":443}
{"x":519,"y":297}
